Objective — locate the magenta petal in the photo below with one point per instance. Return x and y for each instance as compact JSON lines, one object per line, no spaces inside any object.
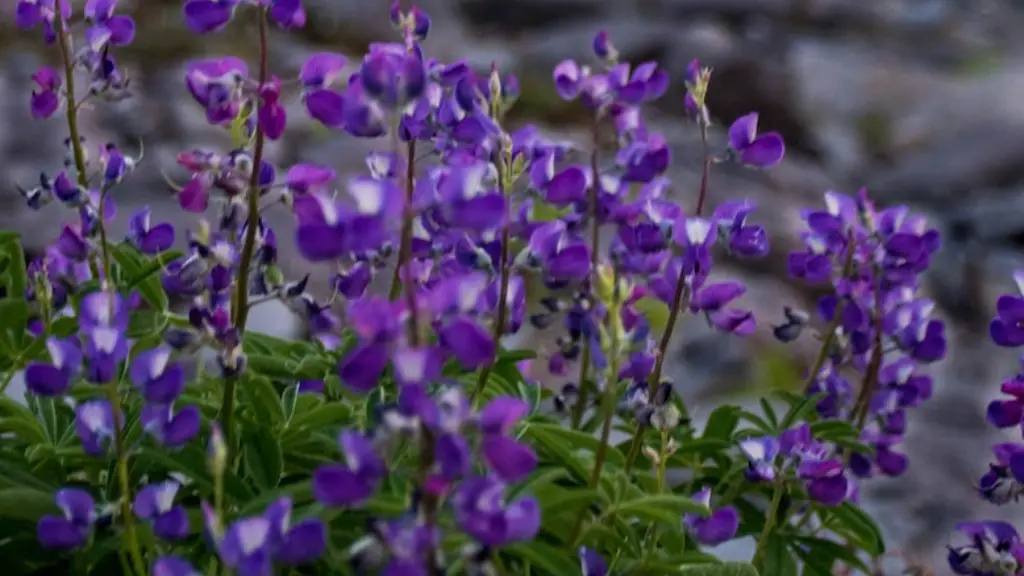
{"x":765,"y":151}
{"x":510,"y":460}
{"x":193,"y":197}
{"x":742,"y":131}
{"x":327,"y":107}
{"x":320,"y":242}
{"x":337,"y":486}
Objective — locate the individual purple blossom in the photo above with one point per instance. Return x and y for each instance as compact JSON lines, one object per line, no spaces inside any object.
{"x":94,"y":423}
{"x":402,"y":545}
{"x":32,"y":13}
{"x":1004,"y":481}
{"x":294,"y":543}
{"x":393,"y":75}
{"x":159,"y":379}
{"x":288,"y":14}
{"x":351,"y":484}
{"x":761,"y":454}
{"x":74,"y":527}
{"x":155,"y":502}
{"x":1007,"y":328}
{"x":1009,"y":412}
{"x":482,"y":512}
{"x":993,"y":548}
{"x":104,"y":350}
{"x":328,"y":230}
{"x":46,"y":100}
{"x":106,"y":27}
{"x":758,"y":150}
{"x":173,"y":566}
{"x":169,"y":427}
{"x":55,"y":378}
{"x":510,"y":460}
{"x":712,"y":300}
{"x":591,"y":563}
{"x":742,"y":239}
{"x":216,"y":84}
{"x":270,"y":113}
{"x":720,"y":526}
{"x":568,"y":78}
{"x":147,"y":238}
{"x":204,"y":16}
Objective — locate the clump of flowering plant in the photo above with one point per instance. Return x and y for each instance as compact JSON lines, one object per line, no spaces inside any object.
{"x":402,"y":437}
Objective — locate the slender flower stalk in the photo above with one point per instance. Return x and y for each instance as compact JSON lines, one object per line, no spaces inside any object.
{"x":769,"y":524}
{"x":112,"y":392}
{"x":595,"y":243}
{"x":862,"y":406}
{"x":405,"y":242}
{"x":680,"y":300}
{"x":240,"y":309}
{"x":506,"y":270}
{"x":833,"y":326}
{"x":614,"y":333}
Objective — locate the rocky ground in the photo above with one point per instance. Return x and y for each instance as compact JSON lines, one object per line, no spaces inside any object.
{"x":919,"y":100}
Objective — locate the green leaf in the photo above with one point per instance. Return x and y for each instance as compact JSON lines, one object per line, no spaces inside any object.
{"x":26,"y":431}
{"x":668,"y":508}
{"x":515,"y":356}
{"x":722,"y":423}
{"x":327,"y":414}
{"x":563,"y":453}
{"x":545,"y":558}
{"x":191,"y":461}
{"x":725,"y":569}
{"x":769,"y":413}
{"x":271,"y":366}
{"x":26,"y":503}
{"x":263,"y":400}
{"x":17,"y":276}
{"x":530,"y":393}
{"x":859,"y":526}
{"x":655,"y":311}
{"x":819,"y":555}
{"x":799,"y":411}
{"x":575,"y":439}
{"x":833,"y":430}
{"x":777,"y":558}
{"x":138,"y":274}
{"x":13,"y":325}
{"x":264,"y":462}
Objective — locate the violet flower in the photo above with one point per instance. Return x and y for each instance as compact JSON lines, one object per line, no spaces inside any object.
{"x":55,"y":378}
{"x":45,"y":102}
{"x":992,"y":548}
{"x":351,"y":484}
{"x":94,"y":423}
{"x":719,"y":527}
{"x":155,"y":502}
{"x":147,"y":238}
{"x":73,"y":528}
{"x":753,"y":149}
{"x":482,"y":512}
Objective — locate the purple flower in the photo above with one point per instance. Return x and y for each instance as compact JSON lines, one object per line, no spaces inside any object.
{"x":719,"y":527}
{"x":288,"y":14}
{"x":160,"y":380}
{"x":351,"y":484}
{"x":992,"y":548}
{"x":298,"y":543}
{"x":170,"y":428}
{"x":760,"y":453}
{"x":107,"y":27}
{"x":174,"y":566}
{"x":393,"y":75}
{"x":1008,"y":413}
{"x":246,"y":546}
{"x":1004,"y":481}
{"x":591,"y":563}
{"x":216,"y":84}
{"x":482,"y":513}
{"x":73,"y":528}
{"x":94,"y":423}
{"x":510,"y":460}
{"x":105,"y":349}
{"x":46,"y":100}
{"x":568,"y":79}
{"x":204,"y":16}
{"x":757,"y":150}
{"x":147,"y":238}
{"x":468,"y":342}
{"x":1007,"y":328}
{"x":155,"y":503}
{"x":55,"y":378}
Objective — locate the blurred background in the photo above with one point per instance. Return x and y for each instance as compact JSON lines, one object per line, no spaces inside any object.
{"x":918,"y":100}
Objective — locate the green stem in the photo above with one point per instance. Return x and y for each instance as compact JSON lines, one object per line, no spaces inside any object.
{"x":240,"y":308}
{"x":769,"y":524}
{"x":405,"y":244}
{"x":506,"y":269}
{"x":113,"y":395}
{"x":8,"y":378}
{"x":833,"y":327}
{"x":583,"y":386}
{"x":608,"y":401}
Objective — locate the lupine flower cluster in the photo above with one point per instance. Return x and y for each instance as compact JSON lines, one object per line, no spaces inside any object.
{"x":403,"y":437}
